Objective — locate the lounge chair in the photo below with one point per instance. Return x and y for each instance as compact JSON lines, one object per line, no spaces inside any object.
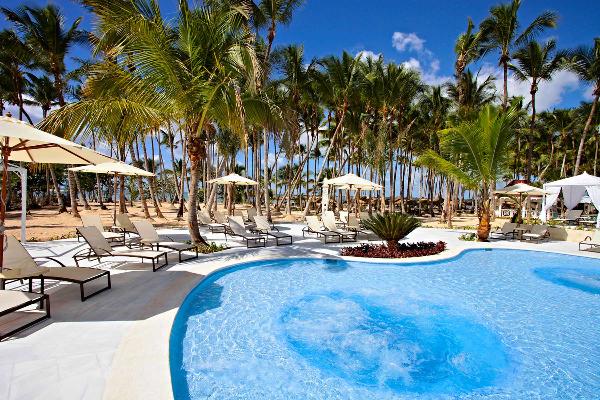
{"x":95,"y":221}
{"x":344,"y":216}
{"x":252,"y":213}
{"x":12,"y":301}
{"x":100,"y":248}
{"x":237,"y":228}
{"x":331,"y":216}
{"x":206,"y":221}
{"x":354,"y":225}
{"x":315,"y":226}
{"x":345,"y":235}
{"x":125,"y":225}
{"x":264,"y":227}
{"x":149,"y":236}
{"x":19,"y":264}
{"x":592,"y":241}
{"x":571,"y":216}
{"x":507,"y":231}
{"x":537,"y":233}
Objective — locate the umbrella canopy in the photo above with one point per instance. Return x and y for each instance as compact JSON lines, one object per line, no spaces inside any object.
{"x":584,"y":179}
{"x":522,"y":188}
{"x":27,"y":143}
{"x":116,"y":167}
{"x":352,"y":181}
{"x":234,"y":179}
{"x":21,"y":141}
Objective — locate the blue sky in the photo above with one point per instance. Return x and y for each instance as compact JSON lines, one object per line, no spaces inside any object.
{"x":419,"y":32}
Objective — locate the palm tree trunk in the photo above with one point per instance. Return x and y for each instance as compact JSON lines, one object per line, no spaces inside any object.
{"x":59,"y":198}
{"x":531,"y":132}
{"x":195,"y":153}
{"x":73,"y":194}
{"x":505,"y":86}
{"x":81,"y":193}
{"x":588,"y":125}
{"x":140,"y":182}
{"x":152,"y":183}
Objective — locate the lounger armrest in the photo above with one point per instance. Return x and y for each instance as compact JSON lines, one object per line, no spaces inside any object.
{"x":49,"y":258}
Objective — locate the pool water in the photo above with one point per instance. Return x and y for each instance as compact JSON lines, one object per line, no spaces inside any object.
{"x":498,"y":324}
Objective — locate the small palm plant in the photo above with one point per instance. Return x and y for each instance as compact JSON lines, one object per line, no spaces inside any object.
{"x":392,"y":227}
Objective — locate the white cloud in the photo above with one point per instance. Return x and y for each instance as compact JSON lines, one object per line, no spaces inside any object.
{"x":407,"y":41}
{"x":366,"y":54}
{"x":589,"y":93}
{"x":428,"y":72}
{"x":412,"y":63}
{"x":550,"y":93}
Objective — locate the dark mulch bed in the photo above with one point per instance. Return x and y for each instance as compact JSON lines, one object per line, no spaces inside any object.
{"x":403,"y":250}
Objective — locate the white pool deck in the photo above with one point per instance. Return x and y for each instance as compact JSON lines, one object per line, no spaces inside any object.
{"x":115,"y":345}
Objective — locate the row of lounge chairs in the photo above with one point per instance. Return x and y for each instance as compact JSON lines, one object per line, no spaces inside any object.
{"x":254,"y":234}
{"x":19,"y":265}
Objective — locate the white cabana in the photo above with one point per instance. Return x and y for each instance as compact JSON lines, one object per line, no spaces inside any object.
{"x":573,"y":190}
{"x":521,"y":190}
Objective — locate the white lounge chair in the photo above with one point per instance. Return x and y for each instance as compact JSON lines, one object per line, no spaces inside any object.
{"x":592,"y":241}
{"x":536,"y":234}
{"x":149,"y":236}
{"x":96,"y":221}
{"x":19,"y":264}
{"x":206,"y":221}
{"x":13,"y":301}
{"x":313,"y":225}
{"x":507,"y":231}
{"x":345,"y":235}
{"x":263,"y":226}
{"x":100,"y":248}
{"x":237,"y":228}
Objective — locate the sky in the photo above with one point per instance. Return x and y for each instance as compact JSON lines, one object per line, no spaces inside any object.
{"x":420,"y":33}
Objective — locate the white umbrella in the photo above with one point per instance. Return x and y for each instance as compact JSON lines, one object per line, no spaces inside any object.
{"x":521,"y":189}
{"x":352,"y":182}
{"x":21,"y":141}
{"x":116,"y":168}
{"x":235,"y":180}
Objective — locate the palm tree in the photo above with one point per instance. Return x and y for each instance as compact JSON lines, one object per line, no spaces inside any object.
{"x":585,"y":62}
{"x":15,"y":59}
{"x":501,"y":31}
{"x":534,"y":63}
{"x":50,"y":41}
{"x":468,"y":48}
{"x":481,"y":148}
{"x":475,"y":94}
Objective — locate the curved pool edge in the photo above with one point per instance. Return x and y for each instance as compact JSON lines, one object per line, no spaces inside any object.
{"x":133,"y":355}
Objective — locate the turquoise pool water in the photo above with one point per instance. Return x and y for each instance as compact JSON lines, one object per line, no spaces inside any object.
{"x":498,"y":324}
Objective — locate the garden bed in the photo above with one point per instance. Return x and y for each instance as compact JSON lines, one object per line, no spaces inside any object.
{"x":403,"y":250}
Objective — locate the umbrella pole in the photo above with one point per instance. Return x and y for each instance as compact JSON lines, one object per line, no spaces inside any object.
{"x":5,"y":156}
{"x":115,"y":199}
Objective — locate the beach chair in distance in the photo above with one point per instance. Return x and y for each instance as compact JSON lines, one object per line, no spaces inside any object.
{"x":537,"y":234}
{"x":207,"y":222}
{"x":354,"y":225}
{"x":13,"y":301}
{"x":19,"y":264}
{"x":237,"y":228}
{"x":100,"y":248}
{"x":95,"y":220}
{"x":263,"y":226}
{"x":592,"y":241}
{"x":345,"y":235}
{"x":507,"y":231}
{"x":313,"y":225}
{"x":125,"y":225}
{"x":149,"y":236}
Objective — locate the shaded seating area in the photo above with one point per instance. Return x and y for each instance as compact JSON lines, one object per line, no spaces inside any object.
{"x":237,"y":229}
{"x":264,"y":227}
{"x":13,"y":303}
{"x":19,"y":264}
{"x":149,"y":236}
{"x":99,"y":248}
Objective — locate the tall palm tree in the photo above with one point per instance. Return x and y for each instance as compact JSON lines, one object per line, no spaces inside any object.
{"x":475,"y":93}
{"x":15,"y":60}
{"x":483,"y":147}
{"x":468,"y":48}
{"x":501,"y":31}
{"x":535,"y":63}
{"x":585,"y":62}
{"x":50,"y":41}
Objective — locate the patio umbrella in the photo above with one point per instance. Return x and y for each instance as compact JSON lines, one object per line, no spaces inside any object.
{"x":235,"y":180}
{"x":352,"y":182}
{"x":116,"y":168}
{"x":21,"y":141}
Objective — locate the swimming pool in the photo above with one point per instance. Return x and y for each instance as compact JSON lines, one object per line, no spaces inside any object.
{"x":498,"y":324}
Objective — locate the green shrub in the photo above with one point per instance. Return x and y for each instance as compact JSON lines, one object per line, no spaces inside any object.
{"x":392,"y":227}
